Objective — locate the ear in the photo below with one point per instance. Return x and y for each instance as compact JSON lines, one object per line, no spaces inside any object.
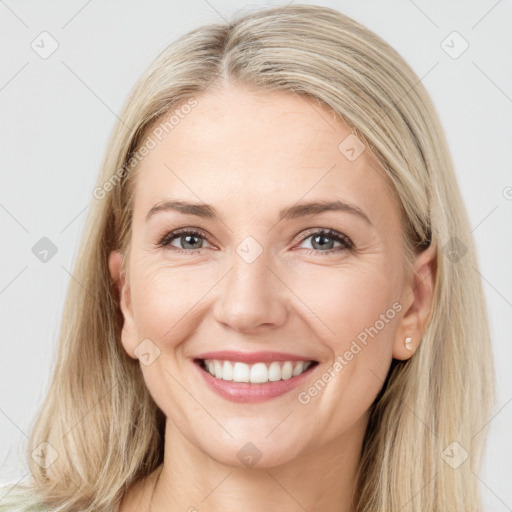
{"x":128,"y":333}
{"x":417,"y":298}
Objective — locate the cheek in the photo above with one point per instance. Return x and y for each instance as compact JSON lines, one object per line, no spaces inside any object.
{"x":166,"y":299}
{"x":358,"y":312}
{"x":360,"y":306}
{"x":351,"y":298}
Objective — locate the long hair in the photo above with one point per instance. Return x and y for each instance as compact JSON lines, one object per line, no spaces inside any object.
{"x":99,"y":430}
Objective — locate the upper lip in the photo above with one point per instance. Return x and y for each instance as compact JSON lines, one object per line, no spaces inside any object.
{"x":251,"y":357}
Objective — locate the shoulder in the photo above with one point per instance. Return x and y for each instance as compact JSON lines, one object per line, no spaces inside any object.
{"x":17,"y":497}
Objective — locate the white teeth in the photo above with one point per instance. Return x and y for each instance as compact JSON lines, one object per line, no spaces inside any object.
{"x":240,"y":372}
{"x":218,"y":369}
{"x":297,"y":370}
{"x":257,"y":373}
{"x":286,"y":371}
{"x":227,"y":371}
{"x":274,"y":371}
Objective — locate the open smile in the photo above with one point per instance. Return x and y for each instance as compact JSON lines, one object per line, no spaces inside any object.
{"x":242,"y":382}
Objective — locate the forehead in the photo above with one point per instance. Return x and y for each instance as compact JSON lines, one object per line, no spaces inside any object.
{"x":258,"y":151}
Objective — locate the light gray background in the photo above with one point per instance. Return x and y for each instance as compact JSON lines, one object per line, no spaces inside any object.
{"x":57,"y":114}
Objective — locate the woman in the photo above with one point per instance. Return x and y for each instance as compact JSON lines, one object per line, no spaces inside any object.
{"x":274,"y":302}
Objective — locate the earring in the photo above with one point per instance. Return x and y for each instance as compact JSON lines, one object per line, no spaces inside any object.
{"x":407,"y":343}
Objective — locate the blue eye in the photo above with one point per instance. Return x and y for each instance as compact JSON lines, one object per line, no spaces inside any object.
{"x":191,"y":241}
{"x":325,"y":239}
{"x":186,"y":238}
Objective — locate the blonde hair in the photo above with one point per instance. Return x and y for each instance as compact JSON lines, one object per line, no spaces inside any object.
{"x":99,"y":416}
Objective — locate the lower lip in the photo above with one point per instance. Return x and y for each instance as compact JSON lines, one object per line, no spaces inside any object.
{"x":247,"y":392}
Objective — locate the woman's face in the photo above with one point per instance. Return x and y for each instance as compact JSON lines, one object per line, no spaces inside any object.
{"x":260,"y":280}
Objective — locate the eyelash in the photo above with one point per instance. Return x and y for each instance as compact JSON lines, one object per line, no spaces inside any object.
{"x":166,"y":240}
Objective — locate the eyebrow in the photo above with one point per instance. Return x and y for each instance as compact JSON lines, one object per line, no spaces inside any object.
{"x":291,"y":212}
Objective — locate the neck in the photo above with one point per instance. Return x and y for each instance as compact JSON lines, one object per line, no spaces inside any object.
{"x":323,"y":478}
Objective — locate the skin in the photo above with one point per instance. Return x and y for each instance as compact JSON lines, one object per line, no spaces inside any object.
{"x":249,"y":153}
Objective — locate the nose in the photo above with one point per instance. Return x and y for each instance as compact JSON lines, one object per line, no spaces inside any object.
{"x":252,"y":297}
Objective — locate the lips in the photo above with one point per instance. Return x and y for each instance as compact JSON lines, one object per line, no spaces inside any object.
{"x":254,"y":367}
{"x":248,"y":385}
{"x":253,"y":376}
{"x":252,"y":357}
{"x":257,"y":373}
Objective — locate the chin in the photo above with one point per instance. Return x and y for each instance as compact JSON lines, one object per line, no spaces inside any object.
{"x":258,"y":453}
